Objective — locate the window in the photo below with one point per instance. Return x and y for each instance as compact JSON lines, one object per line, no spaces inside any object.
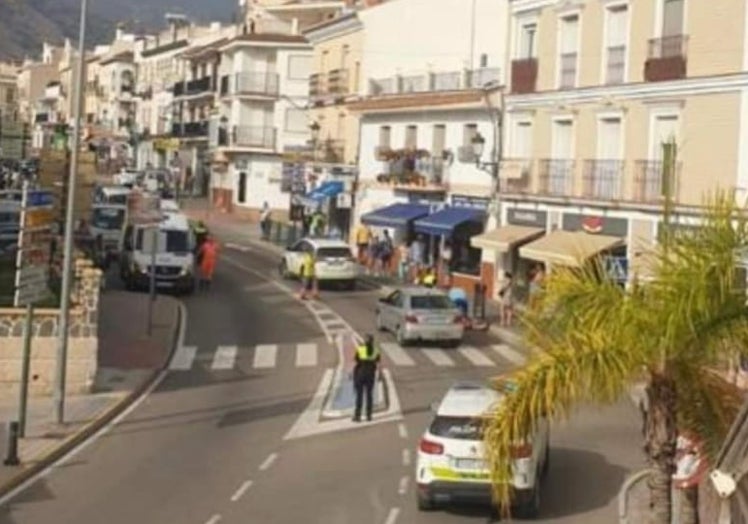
{"x":527,"y":44}
{"x":241,"y":191}
{"x":615,"y":45}
{"x":296,"y":120}
{"x":468,"y":133}
{"x":299,"y":67}
{"x":411,"y":137}
{"x":609,"y":139}
{"x":460,"y":428}
{"x":672,"y":18}
{"x":439,"y":139}
{"x":568,"y":52}
{"x":664,"y":130}
{"x":522,"y":140}
{"x":385,"y":136}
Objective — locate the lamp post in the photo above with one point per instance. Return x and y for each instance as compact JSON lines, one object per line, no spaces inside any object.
{"x":478,"y":143}
{"x":314,"y":127}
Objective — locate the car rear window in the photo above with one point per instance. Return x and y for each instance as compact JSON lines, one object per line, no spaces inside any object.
{"x":333,"y":252}
{"x":461,"y":428}
{"x":431,"y":302}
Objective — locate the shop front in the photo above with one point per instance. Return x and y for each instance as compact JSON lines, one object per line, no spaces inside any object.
{"x":326,"y":198}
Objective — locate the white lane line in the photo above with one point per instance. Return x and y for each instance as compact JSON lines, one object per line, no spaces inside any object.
{"x":406,"y":457}
{"x":438,"y":357}
{"x":224,"y":358}
{"x":183,"y":358}
{"x":476,"y":357}
{"x":396,"y":354}
{"x":214,"y":519}
{"x":268,"y":462}
{"x":241,"y":491}
{"x":515,"y":357}
{"x":402,"y":489}
{"x":306,"y":355}
{"x":238,"y":247}
{"x":392,"y":516}
{"x":402,"y":430}
{"x":265,"y":356}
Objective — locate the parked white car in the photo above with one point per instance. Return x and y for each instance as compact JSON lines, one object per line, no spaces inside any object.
{"x":451,"y":465}
{"x":335,"y":261}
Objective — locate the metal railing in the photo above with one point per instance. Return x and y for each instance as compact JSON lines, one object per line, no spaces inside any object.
{"x":446,"y":81}
{"x":478,"y":78}
{"x":254,"y":136}
{"x":556,"y":176}
{"x":668,"y":46}
{"x":648,"y":182}
{"x":616,"y":66}
{"x":568,"y":72}
{"x":603,"y":179}
{"x":265,"y":84}
{"x":382,"y":86}
{"x":413,"y":84}
{"x":439,"y":81}
{"x":199,"y":85}
{"x":337,"y":82}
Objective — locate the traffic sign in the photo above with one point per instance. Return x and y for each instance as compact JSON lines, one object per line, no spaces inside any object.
{"x":39,"y":199}
{"x":32,"y":275}
{"x":38,"y":218}
{"x":30,"y":295}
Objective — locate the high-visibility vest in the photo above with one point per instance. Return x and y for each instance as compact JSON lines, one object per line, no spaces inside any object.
{"x":307,"y":265}
{"x":429,"y":279}
{"x":363,"y":354}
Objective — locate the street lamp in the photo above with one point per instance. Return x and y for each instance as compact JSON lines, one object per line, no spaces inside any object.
{"x":314,"y":127}
{"x":479,"y":144}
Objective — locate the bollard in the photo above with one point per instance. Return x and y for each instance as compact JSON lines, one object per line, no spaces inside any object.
{"x":11,"y":457}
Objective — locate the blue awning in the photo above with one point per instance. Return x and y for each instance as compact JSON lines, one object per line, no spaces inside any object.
{"x":445,"y":221}
{"x":327,"y":190}
{"x":396,"y":215}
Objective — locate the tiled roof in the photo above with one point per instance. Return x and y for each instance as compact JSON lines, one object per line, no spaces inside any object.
{"x":195,"y":52}
{"x":417,"y":100}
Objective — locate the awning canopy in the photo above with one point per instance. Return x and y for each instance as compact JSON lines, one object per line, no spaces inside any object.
{"x":327,"y":190}
{"x":506,"y":237}
{"x":568,"y":248}
{"x":395,"y":215}
{"x":445,"y":221}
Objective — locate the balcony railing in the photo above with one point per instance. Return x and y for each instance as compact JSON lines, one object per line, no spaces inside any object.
{"x":433,"y":82}
{"x":179,"y":88}
{"x":524,"y":75}
{"x":666,"y":59}
{"x":648,"y":182}
{"x":616,"y":67}
{"x":515,"y":175}
{"x":225,"y":85}
{"x":201,"y":85}
{"x":383,"y":86}
{"x":556,"y":176}
{"x":603,"y":179}
{"x":414,"y":169}
{"x":254,"y":136}
{"x":446,"y":81}
{"x":479,"y":78}
{"x":337,"y":82}
{"x":413,"y":84}
{"x":264,"y":84}
{"x":568,"y":72}
{"x":195,"y":129}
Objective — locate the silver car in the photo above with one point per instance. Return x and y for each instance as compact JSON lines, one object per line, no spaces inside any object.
{"x":418,"y":313}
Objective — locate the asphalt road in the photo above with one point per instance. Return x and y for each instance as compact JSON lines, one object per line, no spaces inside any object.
{"x":208,"y":445}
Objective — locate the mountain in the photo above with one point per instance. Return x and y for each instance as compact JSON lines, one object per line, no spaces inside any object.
{"x":25,"y":24}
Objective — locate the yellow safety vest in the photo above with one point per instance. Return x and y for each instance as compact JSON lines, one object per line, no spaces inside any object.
{"x":362,"y":354}
{"x":308,"y":265}
{"x":429,"y":280}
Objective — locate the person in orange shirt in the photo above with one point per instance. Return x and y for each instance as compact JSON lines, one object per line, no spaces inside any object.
{"x":208,"y":257}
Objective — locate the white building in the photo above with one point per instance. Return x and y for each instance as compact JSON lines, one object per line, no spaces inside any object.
{"x":432,"y":74}
{"x":264,"y":86}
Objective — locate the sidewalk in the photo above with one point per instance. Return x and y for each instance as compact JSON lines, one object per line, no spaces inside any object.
{"x":128,"y":363}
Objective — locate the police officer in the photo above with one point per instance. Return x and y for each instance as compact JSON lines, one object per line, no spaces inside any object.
{"x":364,"y":376}
{"x":308,"y":276}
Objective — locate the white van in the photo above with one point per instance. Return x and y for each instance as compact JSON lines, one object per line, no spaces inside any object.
{"x":117,"y":195}
{"x":108,"y":220}
{"x":175,"y":255}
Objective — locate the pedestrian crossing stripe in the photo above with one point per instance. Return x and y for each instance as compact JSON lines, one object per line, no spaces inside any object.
{"x":396,"y":354}
{"x":183,"y":358}
{"x":265,"y":356}
{"x":438,"y":357}
{"x":224,"y":357}
{"x":306,"y":355}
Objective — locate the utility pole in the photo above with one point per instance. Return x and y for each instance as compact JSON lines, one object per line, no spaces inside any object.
{"x":67,"y":262}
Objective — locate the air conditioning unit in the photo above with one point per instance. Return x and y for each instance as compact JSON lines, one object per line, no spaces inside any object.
{"x":466,"y":154}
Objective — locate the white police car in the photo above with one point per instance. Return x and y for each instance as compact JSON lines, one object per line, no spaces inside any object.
{"x":451,"y":465}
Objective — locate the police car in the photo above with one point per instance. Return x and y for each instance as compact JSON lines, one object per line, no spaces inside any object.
{"x":335,"y":261}
{"x":451,"y":466}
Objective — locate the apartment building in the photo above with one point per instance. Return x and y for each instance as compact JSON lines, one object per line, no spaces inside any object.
{"x":9,"y":90}
{"x":33,"y":79}
{"x":264,"y":85}
{"x":596,"y":87}
{"x":431,"y":73}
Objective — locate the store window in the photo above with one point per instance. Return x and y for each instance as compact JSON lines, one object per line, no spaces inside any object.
{"x":241,"y":193}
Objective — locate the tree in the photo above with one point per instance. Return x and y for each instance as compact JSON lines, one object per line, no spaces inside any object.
{"x":596,"y":339}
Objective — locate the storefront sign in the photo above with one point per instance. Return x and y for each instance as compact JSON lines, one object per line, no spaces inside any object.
{"x":596,"y":225}
{"x":472,"y":202}
{"x":525,"y":217}
{"x":676,"y":230}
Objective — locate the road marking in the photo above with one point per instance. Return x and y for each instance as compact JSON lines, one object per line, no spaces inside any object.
{"x":403,"y":487}
{"x":438,"y":357}
{"x":214,"y":519}
{"x":238,"y":247}
{"x":406,"y":457}
{"x":402,"y":430}
{"x":515,"y":357}
{"x":392,"y":516}
{"x":396,"y":354}
{"x":224,"y":358}
{"x":306,"y":355}
{"x":241,"y":491}
{"x":265,"y":356}
{"x":476,"y":357}
{"x":183,"y":358}
{"x":268,"y":462}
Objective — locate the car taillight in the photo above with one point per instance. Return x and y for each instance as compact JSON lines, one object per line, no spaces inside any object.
{"x":520,"y":451}
{"x":430,"y":448}
{"x":411,"y":319}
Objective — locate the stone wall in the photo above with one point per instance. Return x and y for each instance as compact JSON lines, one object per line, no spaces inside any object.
{"x":83,"y":343}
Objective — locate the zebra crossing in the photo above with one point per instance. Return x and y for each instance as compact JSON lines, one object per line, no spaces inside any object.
{"x":306,"y":355}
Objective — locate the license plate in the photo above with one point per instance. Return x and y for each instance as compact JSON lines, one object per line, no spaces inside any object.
{"x":164,"y":284}
{"x":435,"y":320}
{"x":470,"y":464}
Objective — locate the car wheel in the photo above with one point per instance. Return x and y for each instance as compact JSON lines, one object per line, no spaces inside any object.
{"x":530,"y":507}
{"x":400,"y":336}
{"x":378,"y":322}
{"x":283,"y":269}
{"x":424,"y":503}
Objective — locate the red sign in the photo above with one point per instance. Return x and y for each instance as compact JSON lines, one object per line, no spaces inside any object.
{"x":593,"y":225}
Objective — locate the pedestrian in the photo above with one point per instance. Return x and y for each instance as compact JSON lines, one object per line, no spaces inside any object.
{"x":208,"y":256}
{"x":507,"y":301}
{"x":386,"y":248}
{"x":363,"y":237}
{"x":428,"y":279}
{"x":364,"y":375}
{"x":308,"y":276}
{"x":265,"y":215}
{"x":318,"y":224}
{"x":446,"y":265}
{"x":403,"y":264}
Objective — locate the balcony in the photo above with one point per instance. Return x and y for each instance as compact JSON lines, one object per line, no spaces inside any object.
{"x":262,"y":137}
{"x":515,"y":175}
{"x":435,"y":81}
{"x":179,"y":89}
{"x":195,"y":129}
{"x":666,"y":59}
{"x":615,"y":70}
{"x":257,"y":84}
{"x":603,"y":179}
{"x":224,"y":86}
{"x":201,"y":85}
{"x":556,"y":176}
{"x":524,"y":75}
{"x":317,"y":87}
{"x":337,"y":82}
{"x":41,"y":118}
{"x":479,"y":78}
{"x":648,"y":182}
{"x":413,"y":170}
{"x":568,"y":71}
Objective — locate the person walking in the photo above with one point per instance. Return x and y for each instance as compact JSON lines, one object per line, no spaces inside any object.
{"x":507,"y":301}
{"x":265,"y":221}
{"x":308,"y":276}
{"x":364,"y":376}
{"x":208,"y":256}
{"x":363,"y":236}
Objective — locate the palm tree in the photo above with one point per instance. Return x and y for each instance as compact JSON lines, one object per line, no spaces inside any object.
{"x":595,"y":340}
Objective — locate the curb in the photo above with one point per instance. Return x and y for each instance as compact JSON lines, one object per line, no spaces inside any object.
{"x":100,"y":421}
